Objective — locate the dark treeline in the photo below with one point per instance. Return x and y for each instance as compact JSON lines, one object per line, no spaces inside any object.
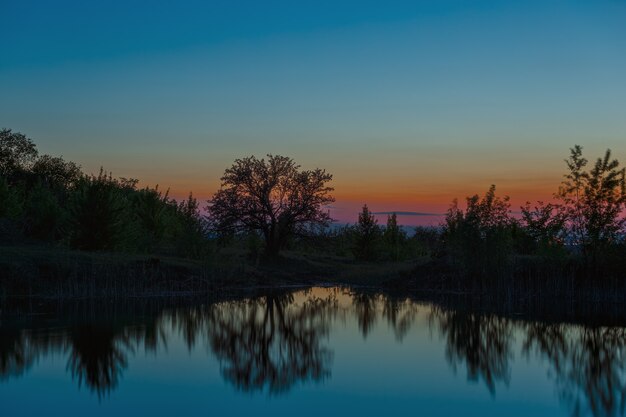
{"x":576,"y":243}
{"x":269,"y":343}
{"x":368,"y":241}
{"x":47,"y":199}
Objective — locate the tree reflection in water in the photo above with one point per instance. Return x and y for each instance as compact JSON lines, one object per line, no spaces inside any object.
{"x":97,"y":357}
{"x":271,"y":343}
{"x":16,"y":353}
{"x":98,"y":354}
{"x":588,"y":365}
{"x":482,"y":342}
{"x":365,"y":310}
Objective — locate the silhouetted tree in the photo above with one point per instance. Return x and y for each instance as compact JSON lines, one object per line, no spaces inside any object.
{"x":367,"y":236}
{"x":43,"y":214}
{"x":56,"y":173}
{"x":544,"y":226}
{"x":10,"y":199}
{"x":17,"y":153}
{"x":98,"y":213}
{"x":593,"y":201}
{"x":479,"y":239}
{"x":426,"y":241}
{"x":191,"y":236}
{"x":394,"y":237}
{"x":273,"y":197}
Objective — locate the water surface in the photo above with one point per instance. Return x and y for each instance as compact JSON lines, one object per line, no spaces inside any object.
{"x":311,"y":352}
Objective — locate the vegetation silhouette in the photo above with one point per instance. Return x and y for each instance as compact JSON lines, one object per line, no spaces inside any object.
{"x":49,"y":200}
{"x":572,"y":247}
{"x":367,"y":236}
{"x":273,"y":198}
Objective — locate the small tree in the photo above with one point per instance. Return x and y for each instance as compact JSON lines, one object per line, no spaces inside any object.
{"x":99,"y":213}
{"x":394,"y":237}
{"x":192,"y":235}
{"x":479,"y":239}
{"x":272,"y":197}
{"x":367,"y":236}
{"x":593,"y":201}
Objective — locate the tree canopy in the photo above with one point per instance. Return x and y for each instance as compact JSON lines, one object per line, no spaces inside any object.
{"x":272,"y":197}
{"x":17,"y":152}
{"x":593,"y":200}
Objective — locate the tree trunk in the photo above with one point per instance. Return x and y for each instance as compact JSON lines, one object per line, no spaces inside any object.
{"x":272,"y":246}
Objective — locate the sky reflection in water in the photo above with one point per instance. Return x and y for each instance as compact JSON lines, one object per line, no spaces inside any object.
{"x":328,"y":351}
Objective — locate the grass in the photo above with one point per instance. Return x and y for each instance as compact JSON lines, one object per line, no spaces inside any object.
{"x":55,"y":272}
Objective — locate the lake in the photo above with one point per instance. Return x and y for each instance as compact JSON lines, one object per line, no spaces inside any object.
{"x":319,"y":351}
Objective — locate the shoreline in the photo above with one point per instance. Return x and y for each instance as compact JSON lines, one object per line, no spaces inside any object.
{"x":48,"y":272}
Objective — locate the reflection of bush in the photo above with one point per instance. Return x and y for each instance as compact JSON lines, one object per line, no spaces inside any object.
{"x":482,"y":342}
{"x":16,"y":354}
{"x":588,"y":365}
{"x":97,"y":357}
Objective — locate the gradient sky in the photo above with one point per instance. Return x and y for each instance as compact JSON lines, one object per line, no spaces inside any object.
{"x":409,"y":104}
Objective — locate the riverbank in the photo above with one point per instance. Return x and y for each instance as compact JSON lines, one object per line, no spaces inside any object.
{"x":53,"y":272}
{"x":36,"y":271}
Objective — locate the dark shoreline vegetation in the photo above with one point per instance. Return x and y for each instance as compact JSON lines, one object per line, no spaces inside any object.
{"x":67,"y":234}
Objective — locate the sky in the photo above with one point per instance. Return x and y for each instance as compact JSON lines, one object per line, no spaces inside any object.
{"x":408,"y":104}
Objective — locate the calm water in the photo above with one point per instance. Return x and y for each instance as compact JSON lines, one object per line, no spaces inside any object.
{"x":315,"y":352}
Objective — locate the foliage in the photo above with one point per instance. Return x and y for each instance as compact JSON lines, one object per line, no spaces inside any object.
{"x":367,"y":236}
{"x":43,"y":215}
{"x":593,"y":201}
{"x":272,"y":197}
{"x":98,"y":217}
{"x":46,"y":198}
{"x":426,"y":241}
{"x":271,"y":204}
{"x":10,"y":207}
{"x":394,"y":238}
{"x":544,"y":226}
{"x":17,"y":153}
{"x":191,"y":231}
{"x":56,"y":173}
{"x":479,"y":239}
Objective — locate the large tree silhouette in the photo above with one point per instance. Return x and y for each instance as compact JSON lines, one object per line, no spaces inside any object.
{"x":272,"y":197}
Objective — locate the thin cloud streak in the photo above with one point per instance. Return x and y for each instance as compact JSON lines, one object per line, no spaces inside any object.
{"x":406,"y":213}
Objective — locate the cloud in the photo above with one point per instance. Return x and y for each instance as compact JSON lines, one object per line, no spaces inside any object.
{"x":407,"y":213}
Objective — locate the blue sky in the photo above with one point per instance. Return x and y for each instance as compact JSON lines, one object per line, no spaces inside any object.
{"x":407,"y":103}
